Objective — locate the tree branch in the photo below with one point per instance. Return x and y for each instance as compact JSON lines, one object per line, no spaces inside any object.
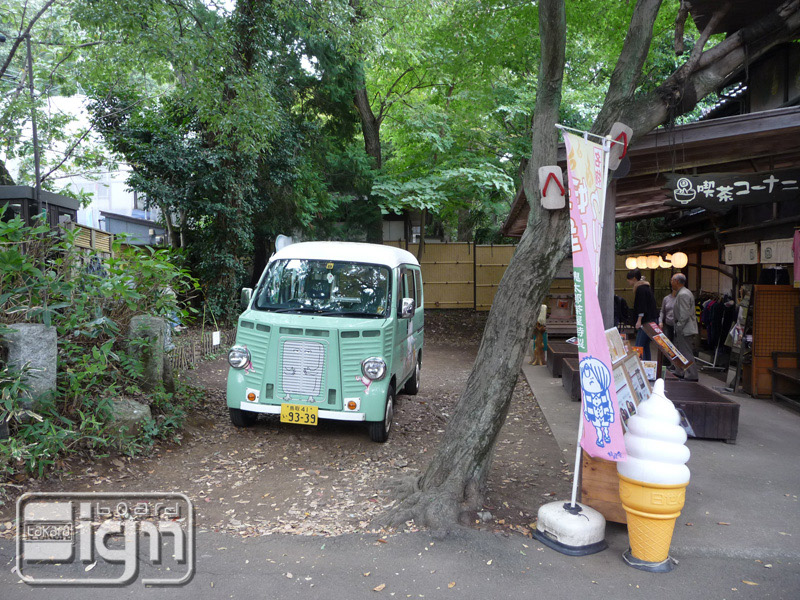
{"x":681,"y":91}
{"x":680,"y":22}
{"x":21,"y":37}
{"x":67,"y":154}
{"x":697,"y":51}
{"x":628,"y":69}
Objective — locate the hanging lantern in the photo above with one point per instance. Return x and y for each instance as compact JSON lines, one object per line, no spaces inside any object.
{"x":641,"y":262}
{"x":679,"y":260}
{"x":664,"y":264}
{"x":652,"y":262}
{"x":630,"y":263}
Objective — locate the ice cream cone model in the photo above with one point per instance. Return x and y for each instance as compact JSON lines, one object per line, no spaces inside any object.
{"x":653,"y":480}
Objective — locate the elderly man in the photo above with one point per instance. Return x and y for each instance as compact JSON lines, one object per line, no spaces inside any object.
{"x":666,"y":319}
{"x":685,"y":322}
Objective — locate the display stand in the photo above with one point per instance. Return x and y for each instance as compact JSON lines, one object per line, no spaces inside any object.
{"x":739,"y":351}
{"x":599,"y":481}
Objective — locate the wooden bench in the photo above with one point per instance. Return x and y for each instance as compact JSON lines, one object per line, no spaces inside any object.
{"x":570,"y":378}
{"x":711,"y":415}
{"x":786,"y":379}
{"x":556,"y":352}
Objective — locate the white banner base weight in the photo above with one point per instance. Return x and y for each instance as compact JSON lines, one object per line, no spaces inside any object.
{"x":572,"y":530}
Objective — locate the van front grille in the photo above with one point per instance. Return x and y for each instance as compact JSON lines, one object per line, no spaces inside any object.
{"x":302,"y":368}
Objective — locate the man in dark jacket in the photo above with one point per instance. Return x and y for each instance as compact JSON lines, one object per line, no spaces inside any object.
{"x":644,"y":307}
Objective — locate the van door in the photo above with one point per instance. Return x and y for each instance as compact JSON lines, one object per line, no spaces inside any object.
{"x":404,"y":348}
{"x":419,"y":312}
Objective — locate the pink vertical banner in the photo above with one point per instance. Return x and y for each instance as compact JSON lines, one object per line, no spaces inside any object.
{"x":602,"y":429}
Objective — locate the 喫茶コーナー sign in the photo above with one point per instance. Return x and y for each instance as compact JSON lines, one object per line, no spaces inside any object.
{"x":721,"y":191}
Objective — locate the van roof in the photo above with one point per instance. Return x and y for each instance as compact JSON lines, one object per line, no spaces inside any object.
{"x":375,"y":254}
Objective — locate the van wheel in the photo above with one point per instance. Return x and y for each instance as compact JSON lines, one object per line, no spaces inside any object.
{"x":379,"y":430}
{"x":412,"y":385}
{"x":242,"y":418}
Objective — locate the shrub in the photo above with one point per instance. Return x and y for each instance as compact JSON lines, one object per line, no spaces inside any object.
{"x":46,"y":278}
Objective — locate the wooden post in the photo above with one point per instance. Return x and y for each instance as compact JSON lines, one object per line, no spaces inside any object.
{"x":698,"y":276}
{"x":474,"y":275}
{"x":605,"y":291}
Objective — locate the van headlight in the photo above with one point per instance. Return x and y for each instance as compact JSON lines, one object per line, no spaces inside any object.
{"x":373,"y":368}
{"x":238,"y":357}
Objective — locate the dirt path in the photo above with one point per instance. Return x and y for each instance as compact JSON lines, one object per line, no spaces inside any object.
{"x":331,"y":479}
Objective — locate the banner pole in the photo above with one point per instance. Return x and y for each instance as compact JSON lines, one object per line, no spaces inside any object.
{"x":576,"y":470}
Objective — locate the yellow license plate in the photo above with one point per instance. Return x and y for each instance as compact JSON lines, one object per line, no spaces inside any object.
{"x":299,"y":414}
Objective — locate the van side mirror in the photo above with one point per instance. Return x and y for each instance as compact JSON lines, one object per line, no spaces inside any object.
{"x":407,"y":308}
{"x":244,"y":299}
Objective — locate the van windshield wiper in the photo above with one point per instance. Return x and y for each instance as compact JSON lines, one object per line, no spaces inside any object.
{"x":293,"y":309}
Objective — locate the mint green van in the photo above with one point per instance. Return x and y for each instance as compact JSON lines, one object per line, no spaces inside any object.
{"x":334,"y":330}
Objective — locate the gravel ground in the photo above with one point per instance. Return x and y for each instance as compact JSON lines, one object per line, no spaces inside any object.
{"x":331,"y":479}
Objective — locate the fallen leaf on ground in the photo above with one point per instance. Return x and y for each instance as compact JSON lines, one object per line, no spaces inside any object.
{"x":379,"y":588}
{"x":452,"y":584}
{"x":749,"y":582}
{"x":723,"y":523}
{"x":367,"y":573}
{"x":488,"y":562}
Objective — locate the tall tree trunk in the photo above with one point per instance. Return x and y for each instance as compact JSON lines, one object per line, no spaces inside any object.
{"x":456,"y":477}
{"x":371,"y":129}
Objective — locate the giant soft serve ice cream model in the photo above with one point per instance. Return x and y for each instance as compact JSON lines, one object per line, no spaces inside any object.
{"x":652,"y":482}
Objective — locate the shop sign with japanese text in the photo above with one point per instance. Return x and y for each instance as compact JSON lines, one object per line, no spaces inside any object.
{"x":721,"y":191}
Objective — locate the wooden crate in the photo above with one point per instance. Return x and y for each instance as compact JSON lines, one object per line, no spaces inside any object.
{"x":570,"y":378}
{"x":711,"y":415}
{"x":600,"y":488}
{"x":556,"y":352}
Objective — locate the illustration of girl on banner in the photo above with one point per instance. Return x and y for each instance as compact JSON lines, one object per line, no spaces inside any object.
{"x":598,"y":407}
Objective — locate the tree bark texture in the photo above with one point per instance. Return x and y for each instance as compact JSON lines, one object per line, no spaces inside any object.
{"x":371,"y":129}
{"x":455,"y":479}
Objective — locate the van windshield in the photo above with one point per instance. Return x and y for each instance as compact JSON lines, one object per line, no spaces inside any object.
{"x":328,"y":288}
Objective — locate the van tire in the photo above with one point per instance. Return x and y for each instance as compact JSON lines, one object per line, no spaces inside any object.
{"x":242,"y":418}
{"x":412,"y":385}
{"x":379,"y":430}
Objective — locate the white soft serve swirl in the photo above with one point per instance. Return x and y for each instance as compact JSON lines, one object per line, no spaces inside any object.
{"x":655,"y":442}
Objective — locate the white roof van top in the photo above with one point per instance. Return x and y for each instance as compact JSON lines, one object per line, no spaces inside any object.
{"x":375,"y":254}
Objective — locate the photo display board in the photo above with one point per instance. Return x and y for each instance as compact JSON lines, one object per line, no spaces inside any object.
{"x":665,"y":347}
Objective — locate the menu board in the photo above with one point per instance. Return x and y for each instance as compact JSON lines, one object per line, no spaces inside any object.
{"x":666,"y":347}
{"x":635,"y":371}
{"x":616,"y":347}
{"x":625,"y":397}
{"x":650,"y":369}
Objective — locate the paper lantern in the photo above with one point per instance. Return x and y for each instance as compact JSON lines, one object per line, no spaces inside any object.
{"x":679,"y":260}
{"x":652,"y":262}
{"x":664,"y":264}
{"x":630,"y":263}
{"x":641,"y":262}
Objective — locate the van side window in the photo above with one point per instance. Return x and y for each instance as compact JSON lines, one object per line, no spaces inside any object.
{"x":418,"y":281}
{"x":410,"y":288}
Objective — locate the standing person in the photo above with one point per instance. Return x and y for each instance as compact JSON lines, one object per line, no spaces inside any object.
{"x":666,"y":320}
{"x":685,"y":323}
{"x":644,"y":307}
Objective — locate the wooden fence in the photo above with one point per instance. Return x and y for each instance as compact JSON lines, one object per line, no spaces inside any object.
{"x":460,"y":274}
{"x":91,"y":238}
{"x":188,"y":353}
